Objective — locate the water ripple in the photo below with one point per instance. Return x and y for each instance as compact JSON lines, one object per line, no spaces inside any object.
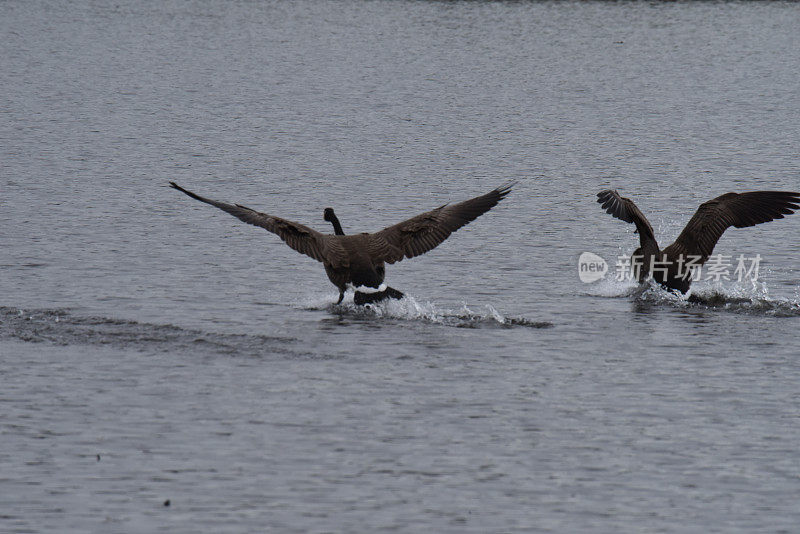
{"x":61,"y":327}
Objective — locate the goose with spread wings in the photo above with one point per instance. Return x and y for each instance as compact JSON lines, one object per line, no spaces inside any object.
{"x":359,"y":260}
{"x":673,"y":266}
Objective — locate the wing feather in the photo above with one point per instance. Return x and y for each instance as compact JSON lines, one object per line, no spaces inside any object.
{"x":299,"y":237}
{"x":712,"y":218}
{"x":426,"y":231}
{"x":624,"y":209}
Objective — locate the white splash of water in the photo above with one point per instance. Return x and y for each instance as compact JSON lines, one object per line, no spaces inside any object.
{"x":747,"y":296}
{"x":409,"y":308}
{"x":610,"y":287}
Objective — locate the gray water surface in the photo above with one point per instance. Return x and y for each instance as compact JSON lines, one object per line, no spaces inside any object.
{"x":156,"y":349}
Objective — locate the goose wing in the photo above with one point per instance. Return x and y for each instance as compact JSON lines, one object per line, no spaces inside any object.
{"x":712,"y":218}
{"x":426,"y":231}
{"x":624,"y":209}
{"x":301,"y":238}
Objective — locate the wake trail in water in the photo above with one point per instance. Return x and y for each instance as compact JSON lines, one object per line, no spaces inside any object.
{"x":61,"y":327}
{"x":741,"y":298}
{"x":410,"y":309}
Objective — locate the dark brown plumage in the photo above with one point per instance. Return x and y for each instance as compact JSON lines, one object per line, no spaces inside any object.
{"x":698,"y":238}
{"x":360,"y":297}
{"x":359,"y":260}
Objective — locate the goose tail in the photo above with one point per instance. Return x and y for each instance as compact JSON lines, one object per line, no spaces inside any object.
{"x":369,"y":298}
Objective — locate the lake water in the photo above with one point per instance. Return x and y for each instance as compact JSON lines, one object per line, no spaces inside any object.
{"x":156,"y":350}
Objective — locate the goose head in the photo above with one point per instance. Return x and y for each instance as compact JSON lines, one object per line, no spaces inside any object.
{"x":331,"y":217}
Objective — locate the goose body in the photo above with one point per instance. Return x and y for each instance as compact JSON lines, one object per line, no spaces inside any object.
{"x":670,"y":266}
{"x":360,"y":297}
{"x":359,"y":260}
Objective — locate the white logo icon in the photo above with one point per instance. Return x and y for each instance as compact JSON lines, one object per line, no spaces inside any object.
{"x":591,"y":267}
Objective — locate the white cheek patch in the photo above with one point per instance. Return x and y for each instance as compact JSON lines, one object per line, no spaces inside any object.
{"x":370,"y":290}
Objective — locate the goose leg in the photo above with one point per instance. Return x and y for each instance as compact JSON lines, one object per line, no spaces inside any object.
{"x":341,"y":297}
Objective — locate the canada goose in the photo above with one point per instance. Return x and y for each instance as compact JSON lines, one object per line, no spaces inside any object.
{"x":359,"y":297}
{"x":358,"y":260}
{"x":696,"y":242}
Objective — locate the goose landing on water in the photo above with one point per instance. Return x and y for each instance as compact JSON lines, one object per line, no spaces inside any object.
{"x":697,"y":240}
{"x":359,"y":260}
{"x":360,"y":297}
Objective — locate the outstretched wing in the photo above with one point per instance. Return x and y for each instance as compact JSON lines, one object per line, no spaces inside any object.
{"x":301,"y":238}
{"x":624,"y":209}
{"x":712,"y":218}
{"x":426,"y":231}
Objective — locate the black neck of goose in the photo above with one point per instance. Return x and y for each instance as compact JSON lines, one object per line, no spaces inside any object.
{"x":337,"y":228}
